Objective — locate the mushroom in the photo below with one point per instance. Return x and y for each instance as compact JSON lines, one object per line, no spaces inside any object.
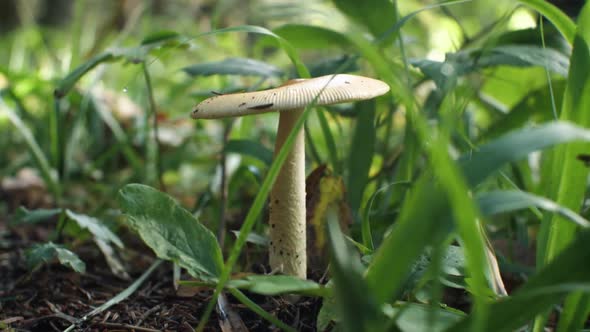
{"x":287,"y":198}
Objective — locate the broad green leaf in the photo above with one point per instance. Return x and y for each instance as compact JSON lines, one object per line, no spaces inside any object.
{"x":171,"y":231}
{"x":417,"y":317}
{"x":95,"y":227}
{"x":234,"y":66}
{"x":376,"y":15}
{"x":250,"y":148}
{"x":25,"y":216}
{"x":328,"y":313}
{"x":566,"y":273}
{"x":524,"y":56}
{"x":361,"y":154}
{"x":312,"y":37}
{"x":424,"y":218}
{"x":46,"y":252}
{"x":502,"y":201}
{"x":278,"y":284}
{"x":561,"y":21}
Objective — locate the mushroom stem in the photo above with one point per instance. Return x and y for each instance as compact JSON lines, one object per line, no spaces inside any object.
{"x":287,"y":204}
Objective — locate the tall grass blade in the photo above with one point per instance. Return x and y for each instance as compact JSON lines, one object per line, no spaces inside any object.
{"x":47,"y":173}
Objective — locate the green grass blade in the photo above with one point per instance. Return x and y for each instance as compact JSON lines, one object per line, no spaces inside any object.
{"x":120,"y":135}
{"x":119,"y":297}
{"x":234,"y":66}
{"x":518,"y":144}
{"x":361,"y":153}
{"x":423,"y":219}
{"x":356,"y":307}
{"x":464,"y":212}
{"x":330,"y":142}
{"x":561,"y":21}
{"x":502,"y":201}
{"x":66,"y":84}
{"x":284,"y":44}
{"x":567,"y":172}
{"x":259,"y":311}
{"x":47,"y":173}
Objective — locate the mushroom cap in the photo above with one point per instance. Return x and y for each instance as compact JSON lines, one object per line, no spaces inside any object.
{"x":294,"y":94}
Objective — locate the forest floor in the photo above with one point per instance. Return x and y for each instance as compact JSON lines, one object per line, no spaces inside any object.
{"x":54,"y":297}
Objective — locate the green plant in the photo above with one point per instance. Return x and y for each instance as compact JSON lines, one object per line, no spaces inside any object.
{"x":475,"y":151}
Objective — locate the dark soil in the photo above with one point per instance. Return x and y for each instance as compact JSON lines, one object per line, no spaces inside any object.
{"x":54,"y":297}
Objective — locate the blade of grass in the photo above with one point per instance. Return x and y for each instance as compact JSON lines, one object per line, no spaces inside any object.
{"x":118,"y":298}
{"x":284,"y":44}
{"x":258,"y":310}
{"x":48,"y":174}
{"x":502,"y":201}
{"x":360,"y":156}
{"x":154,"y":163}
{"x":120,"y":136}
{"x":568,"y":173}
{"x":465,"y":213}
{"x":423,"y":218}
{"x":561,"y":21}
{"x":330,"y":142}
{"x":66,"y":84}
{"x":356,"y":307}
{"x":56,"y":137}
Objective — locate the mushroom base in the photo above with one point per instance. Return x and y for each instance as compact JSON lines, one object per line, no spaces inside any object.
{"x":287,"y":252}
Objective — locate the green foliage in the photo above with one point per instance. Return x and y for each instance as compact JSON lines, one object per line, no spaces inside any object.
{"x":171,"y":231}
{"x":567,"y":172}
{"x":234,"y":66}
{"x":251,"y":148}
{"x":362,"y":149}
{"x":46,"y":252}
{"x":95,"y":227}
{"x":376,"y":15}
{"x":278,"y":284}
{"x":482,"y":141}
{"x":24,"y":215}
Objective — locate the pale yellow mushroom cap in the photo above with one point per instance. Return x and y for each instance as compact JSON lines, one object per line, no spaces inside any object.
{"x":296,"y":94}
